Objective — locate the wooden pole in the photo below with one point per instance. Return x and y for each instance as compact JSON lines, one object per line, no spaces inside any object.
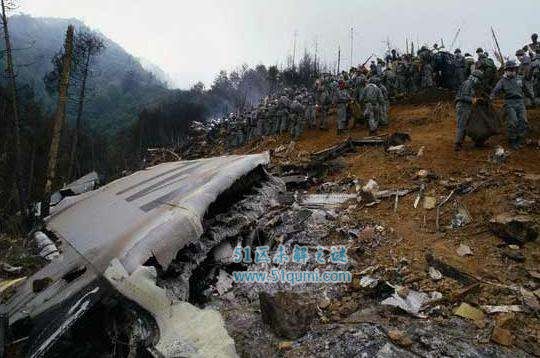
{"x":60,"y":112}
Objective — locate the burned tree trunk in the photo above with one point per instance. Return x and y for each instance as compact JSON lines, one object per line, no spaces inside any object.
{"x":60,"y":111}
{"x":14,"y":110}
{"x":86,"y":46}
{"x":80,"y":107}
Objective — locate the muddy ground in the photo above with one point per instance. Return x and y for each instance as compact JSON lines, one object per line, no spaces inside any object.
{"x":354,"y":323}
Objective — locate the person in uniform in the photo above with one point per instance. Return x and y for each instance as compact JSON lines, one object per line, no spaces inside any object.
{"x":514,"y":104}
{"x":534,"y":46}
{"x":341,"y":99}
{"x":524,"y":75}
{"x":372,"y":99}
{"x":465,"y":98}
{"x":459,"y":66}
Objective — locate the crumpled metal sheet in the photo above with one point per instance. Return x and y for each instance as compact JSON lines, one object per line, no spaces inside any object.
{"x":153,"y":212}
{"x":413,"y":303}
{"x":83,"y":184}
{"x":326,"y":200}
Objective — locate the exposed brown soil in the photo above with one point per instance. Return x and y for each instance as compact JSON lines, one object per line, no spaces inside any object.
{"x":431,"y":127}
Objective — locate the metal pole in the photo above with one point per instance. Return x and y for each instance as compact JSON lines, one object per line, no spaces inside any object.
{"x":338,"y":58}
{"x":316,"y":50}
{"x":352,"y":41}
{"x":294,"y":49}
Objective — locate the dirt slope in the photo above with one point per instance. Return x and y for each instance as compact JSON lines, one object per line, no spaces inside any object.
{"x":415,"y":232}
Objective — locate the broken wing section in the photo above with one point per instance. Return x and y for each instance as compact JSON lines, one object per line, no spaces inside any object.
{"x":154,"y":212}
{"x":151,"y":213}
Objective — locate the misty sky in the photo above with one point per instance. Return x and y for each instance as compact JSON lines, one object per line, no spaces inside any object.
{"x":193,"y":40}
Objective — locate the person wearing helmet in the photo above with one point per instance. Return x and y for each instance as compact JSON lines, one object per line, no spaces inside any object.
{"x":390,"y":81}
{"x":394,"y":55}
{"x":283,"y":114}
{"x":412,"y":76}
{"x":469,"y":64}
{"x":373,"y":68}
{"x":372,"y":98}
{"x":401,"y":78}
{"x":271,"y":118}
{"x":459,"y":67}
{"x":260,"y":119}
{"x":297,"y":118}
{"x":524,"y":74}
{"x":426,"y":72}
{"x":479,"y":52}
{"x":325,"y":101}
{"x":465,"y":98}
{"x":238,"y":130}
{"x":309,"y":111}
{"x":514,"y":104}
{"x":424,"y":52}
{"x":249,"y":126}
{"x":488,"y":68}
{"x":534,"y":46}
{"x":534,"y":73}
{"x":385,"y":106}
{"x":342,"y":98}
{"x":236,"y":133}
{"x":380,"y":66}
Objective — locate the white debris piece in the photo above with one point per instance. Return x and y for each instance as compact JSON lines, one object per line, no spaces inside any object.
{"x":369,"y":191}
{"x":14,"y":270}
{"x":325,"y":200}
{"x":430,"y":202}
{"x":464,"y":250}
{"x":223,"y":253}
{"x":398,"y":149}
{"x":45,"y":247}
{"x":435,"y":274}
{"x":502,"y":309}
{"x":461,"y":217}
{"x":371,"y":186}
{"x":369,"y":270}
{"x":422,"y":173}
{"x":224,"y":282}
{"x":499,"y":156}
{"x":369,"y":282}
{"x":413,"y":302}
{"x":522,"y":203}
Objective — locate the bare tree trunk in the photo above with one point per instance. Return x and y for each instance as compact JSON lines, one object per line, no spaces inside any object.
{"x":60,"y":112}
{"x":32,"y":170}
{"x":93,"y":153}
{"x":78,"y":124}
{"x":15,"y":111}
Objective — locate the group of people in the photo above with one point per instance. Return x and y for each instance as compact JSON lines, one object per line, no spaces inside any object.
{"x":519,"y":85}
{"x":361,"y":96}
{"x":356,"y":96}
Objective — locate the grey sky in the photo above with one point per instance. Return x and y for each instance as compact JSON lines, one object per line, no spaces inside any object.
{"x":193,"y":40}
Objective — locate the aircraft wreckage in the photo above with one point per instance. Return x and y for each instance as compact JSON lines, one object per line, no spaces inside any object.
{"x":107,"y":237}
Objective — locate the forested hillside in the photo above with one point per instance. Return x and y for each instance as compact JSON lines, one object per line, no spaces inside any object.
{"x":115,"y":109}
{"x":118,"y":86}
